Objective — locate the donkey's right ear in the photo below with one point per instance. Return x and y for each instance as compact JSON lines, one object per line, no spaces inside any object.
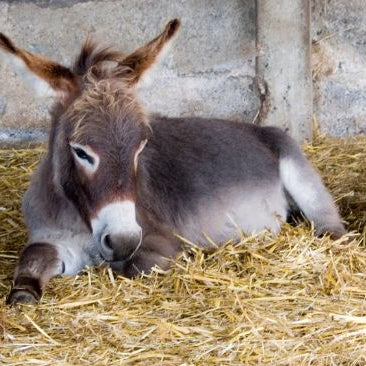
{"x":138,"y":62}
{"x":46,"y":77}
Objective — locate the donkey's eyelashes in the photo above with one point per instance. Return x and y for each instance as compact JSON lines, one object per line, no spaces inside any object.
{"x":83,"y":155}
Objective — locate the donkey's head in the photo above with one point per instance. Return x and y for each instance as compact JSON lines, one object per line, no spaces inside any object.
{"x":98,"y":132}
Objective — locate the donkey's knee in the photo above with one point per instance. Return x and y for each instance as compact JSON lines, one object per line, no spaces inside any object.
{"x":37,"y":264}
{"x":309,"y":193}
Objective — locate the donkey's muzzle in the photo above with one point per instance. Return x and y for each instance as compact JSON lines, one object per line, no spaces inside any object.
{"x":115,"y":230}
{"x":115,"y":247}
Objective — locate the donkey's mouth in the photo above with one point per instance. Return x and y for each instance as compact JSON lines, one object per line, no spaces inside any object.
{"x":119,"y":266}
{"x":117,"y":247}
{"x":118,"y":257}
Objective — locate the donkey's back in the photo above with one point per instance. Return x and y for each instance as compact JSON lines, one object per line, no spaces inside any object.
{"x":215,"y":177}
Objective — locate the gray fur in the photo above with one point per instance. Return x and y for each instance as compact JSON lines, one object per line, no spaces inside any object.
{"x":203,"y":179}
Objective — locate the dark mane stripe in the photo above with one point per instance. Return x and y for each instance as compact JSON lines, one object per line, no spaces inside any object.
{"x":90,"y":55}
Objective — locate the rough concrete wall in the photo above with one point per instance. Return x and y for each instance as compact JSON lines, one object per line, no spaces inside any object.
{"x":208,"y":72}
{"x":339,"y":65}
{"x":283,"y":63}
{"x":211,"y":67}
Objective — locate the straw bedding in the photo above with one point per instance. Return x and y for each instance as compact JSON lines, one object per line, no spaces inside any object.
{"x":287,"y":300}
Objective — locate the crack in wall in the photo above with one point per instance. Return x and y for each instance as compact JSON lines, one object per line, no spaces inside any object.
{"x":262,"y":91}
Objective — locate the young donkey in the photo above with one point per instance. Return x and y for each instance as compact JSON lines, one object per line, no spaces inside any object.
{"x":120,"y":186}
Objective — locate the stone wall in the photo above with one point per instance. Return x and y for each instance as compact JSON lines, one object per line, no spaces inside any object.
{"x":209,"y":70}
{"x":339,"y":65}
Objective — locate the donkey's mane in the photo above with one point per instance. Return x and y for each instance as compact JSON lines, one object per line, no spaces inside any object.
{"x":92,"y":55}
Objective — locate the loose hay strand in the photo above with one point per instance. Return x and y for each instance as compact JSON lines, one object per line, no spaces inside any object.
{"x":40,"y":329}
{"x":287,"y":300}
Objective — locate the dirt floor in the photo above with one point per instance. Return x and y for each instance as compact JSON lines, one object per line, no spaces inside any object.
{"x":287,"y":300}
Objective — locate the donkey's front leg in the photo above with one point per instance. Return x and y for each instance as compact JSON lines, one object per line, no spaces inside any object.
{"x":37,"y":264}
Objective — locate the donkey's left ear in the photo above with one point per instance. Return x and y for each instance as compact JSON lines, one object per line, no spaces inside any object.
{"x":134,"y":65}
{"x":44,"y":76}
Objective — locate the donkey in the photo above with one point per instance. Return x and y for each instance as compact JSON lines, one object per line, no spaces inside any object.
{"x":121,"y":186}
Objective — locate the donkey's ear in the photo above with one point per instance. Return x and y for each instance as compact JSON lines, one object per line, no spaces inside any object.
{"x":143,"y":58}
{"x":45,"y":76}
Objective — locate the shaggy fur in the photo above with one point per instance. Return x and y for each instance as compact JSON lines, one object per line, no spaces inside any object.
{"x":157,"y":178}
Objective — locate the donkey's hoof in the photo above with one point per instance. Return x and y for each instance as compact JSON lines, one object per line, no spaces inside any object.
{"x":22,"y":296}
{"x":334,"y":233}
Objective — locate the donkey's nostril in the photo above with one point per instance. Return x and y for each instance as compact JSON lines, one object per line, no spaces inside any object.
{"x":107,"y":246}
{"x":107,"y":242}
{"x":115,"y":246}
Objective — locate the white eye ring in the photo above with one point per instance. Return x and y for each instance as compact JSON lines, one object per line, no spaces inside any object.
{"x":85,"y":157}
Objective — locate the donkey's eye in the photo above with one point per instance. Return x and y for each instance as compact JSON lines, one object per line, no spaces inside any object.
{"x":83,"y":155}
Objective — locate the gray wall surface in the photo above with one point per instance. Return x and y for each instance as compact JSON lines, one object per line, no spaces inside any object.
{"x":339,"y":65}
{"x":283,"y":65}
{"x":208,"y":71}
